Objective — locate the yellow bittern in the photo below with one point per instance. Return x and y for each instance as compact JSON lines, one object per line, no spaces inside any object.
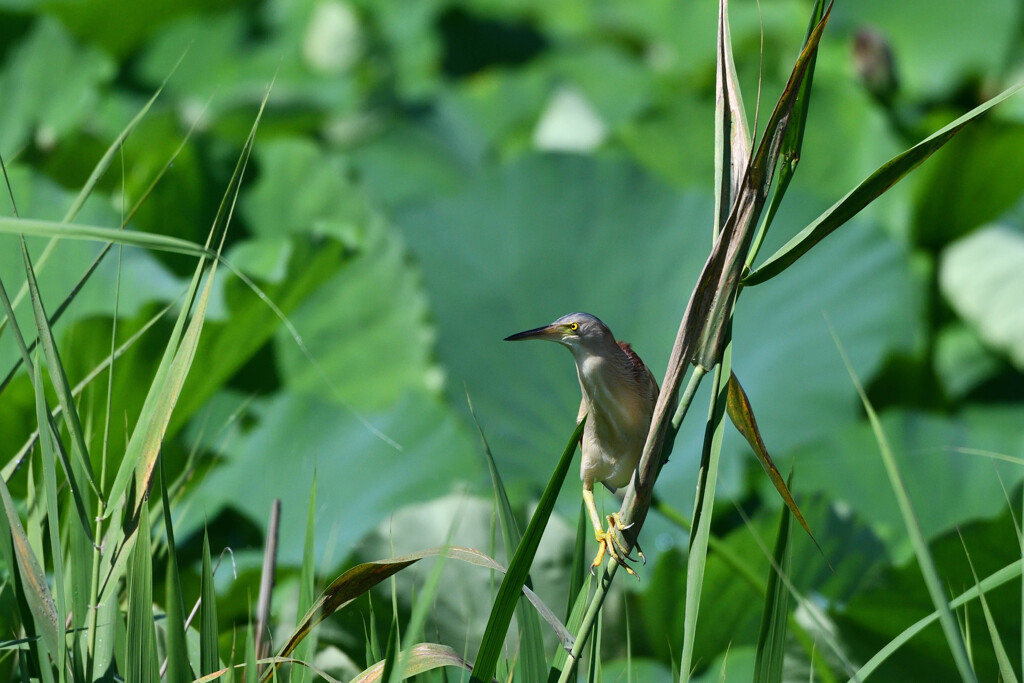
{"x":619,"y":394}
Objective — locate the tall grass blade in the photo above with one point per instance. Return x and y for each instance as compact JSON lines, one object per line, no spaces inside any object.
{"x":307,"y":578}
{"x":250,"y":656}
{"x":178,"y":668}
{"x":771,"y":639}
{"x":706,"y":482}
{"x":52,"y":521}
{"x":267,"y":575}
{"x":512,"y":584}
{"x":1005,"y":667}
{"x":141,"y":653}
{"x":887,"y":175}
{"x":924,"y":557}
{"x":531,"y":641}
{"x":209,"y":628}
{"x":59,"y":381}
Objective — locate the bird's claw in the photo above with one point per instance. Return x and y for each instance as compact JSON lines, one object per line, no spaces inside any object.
{"x":610,"y":542}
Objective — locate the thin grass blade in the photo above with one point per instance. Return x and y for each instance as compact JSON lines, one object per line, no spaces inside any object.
{"x":1002,"y":659}
{"x":250,"y":655}
{"x":887,"y":175}
{"x":573,"y":623}
{"x":178,"y":668}
{"x":141,"y":653}
{"x":514,"y":580}
{"x":49,"y":459}
{"x":531,"y":640}
{"x":307,"y":578}
{"x":924,"y":557}
{"x":209,"y":628}
{"x":707,"y":480}
{"x":59,"y":381}
{"x":771,"y":640}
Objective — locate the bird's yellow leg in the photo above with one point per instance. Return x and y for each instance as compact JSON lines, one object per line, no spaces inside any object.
{"x":608,"y":541}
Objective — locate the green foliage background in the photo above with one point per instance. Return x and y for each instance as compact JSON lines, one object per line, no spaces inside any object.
{"x":431,"y":176}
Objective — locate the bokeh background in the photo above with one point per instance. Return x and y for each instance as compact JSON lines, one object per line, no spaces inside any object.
{"x":433,"y":175}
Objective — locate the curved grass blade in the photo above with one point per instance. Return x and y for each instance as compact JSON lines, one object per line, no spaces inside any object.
{"x":1011,"y":572}
{"x":742,"y":416}
{"x":1006,"y":672}
{"x":887,"y":175}
{"x":361,"y":578}
{"x":421,"y":658}
{"x":771,"y":639}
{"x":924,"y":557}
{"x":519,"y":567}
{"x":32,"y":227}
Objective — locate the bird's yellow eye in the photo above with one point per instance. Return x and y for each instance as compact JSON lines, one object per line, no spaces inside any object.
{"x":574,"y":326}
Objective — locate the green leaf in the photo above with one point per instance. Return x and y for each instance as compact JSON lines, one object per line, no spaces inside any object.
{"x":209,"y":628}
{"x":873,"y":186}
{"x":38,"y":108}
{"x":742,"y":416}
{"x":980,"y":276}
{"x":547,"y":215}
{"x":519,"y":567}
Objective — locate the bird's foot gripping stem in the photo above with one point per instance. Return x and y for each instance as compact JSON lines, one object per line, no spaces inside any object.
{"x":611,"y":542}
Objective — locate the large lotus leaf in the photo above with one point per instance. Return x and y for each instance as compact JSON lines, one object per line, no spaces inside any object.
{"x":982,"y":277}
{"x":969,"y":183}
{"x":548,"y":235}
{"x":937,"y":45}
{"x":36,"y":107}
{"x":366,"y":324}
{"x":945,"y":463}
{"x":898,"y":598}
{"x":361,"y":479}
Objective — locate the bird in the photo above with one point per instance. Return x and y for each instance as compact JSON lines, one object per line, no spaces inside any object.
{"x":618,"y":398}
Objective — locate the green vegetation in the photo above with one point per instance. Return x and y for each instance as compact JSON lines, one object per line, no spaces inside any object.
{"x":266,"y":251}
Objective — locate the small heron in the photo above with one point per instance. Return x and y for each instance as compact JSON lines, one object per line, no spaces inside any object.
{"x":619,"y":394}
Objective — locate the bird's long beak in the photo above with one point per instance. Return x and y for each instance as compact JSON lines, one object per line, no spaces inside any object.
{"x":552,"y":332}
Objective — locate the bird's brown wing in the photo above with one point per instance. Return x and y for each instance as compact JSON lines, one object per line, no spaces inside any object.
{"x":640,"y":370}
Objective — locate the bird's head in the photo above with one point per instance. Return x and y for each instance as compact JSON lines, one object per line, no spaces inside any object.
{"x":577,"y":331}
